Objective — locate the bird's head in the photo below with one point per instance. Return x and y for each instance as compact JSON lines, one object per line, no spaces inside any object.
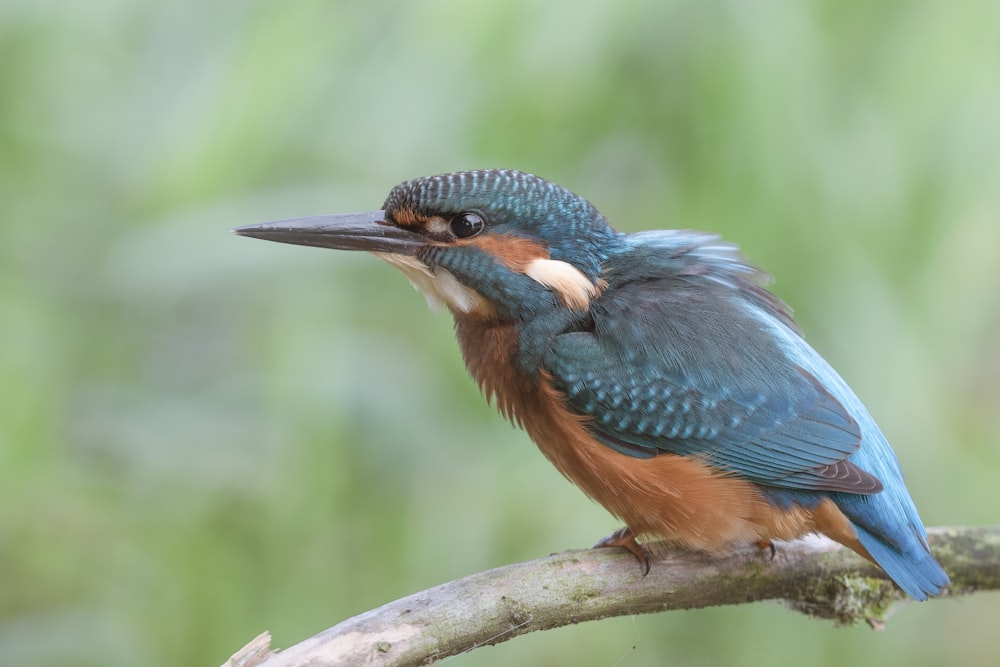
{"x":496,"y":242}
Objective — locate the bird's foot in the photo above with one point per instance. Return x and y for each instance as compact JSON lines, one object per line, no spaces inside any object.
{"x":766,"y":545}
{"x":625,"y":539}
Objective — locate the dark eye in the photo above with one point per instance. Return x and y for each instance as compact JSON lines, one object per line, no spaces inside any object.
{"x":465,"y":225}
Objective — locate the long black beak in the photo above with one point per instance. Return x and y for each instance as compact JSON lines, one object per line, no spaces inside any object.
{"x":347,"y":231}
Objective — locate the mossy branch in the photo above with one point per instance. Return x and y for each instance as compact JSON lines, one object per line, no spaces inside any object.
{"x":814,"y":576}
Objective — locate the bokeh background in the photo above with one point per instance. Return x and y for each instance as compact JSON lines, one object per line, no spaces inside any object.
{"x":204,"y":436}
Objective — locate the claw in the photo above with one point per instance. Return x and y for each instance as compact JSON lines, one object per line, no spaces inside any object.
{"x":768,"y":545}
{"x":625,"y":539}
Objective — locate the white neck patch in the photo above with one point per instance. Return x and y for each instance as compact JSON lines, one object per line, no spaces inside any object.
{"x":570,"y":283}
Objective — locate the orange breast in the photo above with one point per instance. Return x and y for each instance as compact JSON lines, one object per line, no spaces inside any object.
{"x":670,"y":497}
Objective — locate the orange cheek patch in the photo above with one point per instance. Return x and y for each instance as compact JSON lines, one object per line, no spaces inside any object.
{"x":516,"y":252}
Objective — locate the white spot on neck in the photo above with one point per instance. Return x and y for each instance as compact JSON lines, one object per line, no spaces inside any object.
{"x":439,"y":287}
{"x":570,"y":283}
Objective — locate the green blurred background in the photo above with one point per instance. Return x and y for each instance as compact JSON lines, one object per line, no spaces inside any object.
{"x":204,"y":436}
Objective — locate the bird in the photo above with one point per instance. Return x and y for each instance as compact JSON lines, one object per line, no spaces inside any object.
{"x":654,"y":369}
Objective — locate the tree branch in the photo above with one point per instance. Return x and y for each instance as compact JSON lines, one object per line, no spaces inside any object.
{"x":814,"y":576}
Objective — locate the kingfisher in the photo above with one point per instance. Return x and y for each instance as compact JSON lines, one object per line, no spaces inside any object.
{"x":653,"y":369}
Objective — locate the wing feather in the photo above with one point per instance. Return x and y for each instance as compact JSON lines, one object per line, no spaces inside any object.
{"x":676,"y":365}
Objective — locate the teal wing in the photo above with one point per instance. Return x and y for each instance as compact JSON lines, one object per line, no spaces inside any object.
{"x":667,"y":371}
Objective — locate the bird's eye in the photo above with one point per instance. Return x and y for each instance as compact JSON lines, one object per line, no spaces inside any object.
{"x":465,"y":225}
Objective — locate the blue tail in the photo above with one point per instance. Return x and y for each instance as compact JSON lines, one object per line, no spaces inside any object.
{"x":887,"y":523}
{"x":898,"y":546}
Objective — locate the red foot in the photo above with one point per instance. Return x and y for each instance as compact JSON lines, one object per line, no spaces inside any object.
{"x":625,"y":539}
{"x":768,"y":545}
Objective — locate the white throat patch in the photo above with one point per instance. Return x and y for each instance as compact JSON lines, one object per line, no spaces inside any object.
{"x":440,"y":287}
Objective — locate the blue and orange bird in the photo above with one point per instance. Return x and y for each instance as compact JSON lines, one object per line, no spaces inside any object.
{"x":652,"y":369}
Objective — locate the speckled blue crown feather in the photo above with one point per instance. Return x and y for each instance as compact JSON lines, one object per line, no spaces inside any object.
{"x":516,"y":202}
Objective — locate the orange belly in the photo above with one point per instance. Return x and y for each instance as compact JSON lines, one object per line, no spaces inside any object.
{"x":668,"y":497}
{"x":675,"y":498}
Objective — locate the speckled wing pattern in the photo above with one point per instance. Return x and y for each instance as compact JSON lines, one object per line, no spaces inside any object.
{"x":670,"y":365}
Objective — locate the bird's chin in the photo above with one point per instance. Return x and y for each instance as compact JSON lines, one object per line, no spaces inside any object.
{"x":440,"y":287}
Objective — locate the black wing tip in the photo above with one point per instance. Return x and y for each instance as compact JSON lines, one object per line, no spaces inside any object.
{"x":841,"y":476}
